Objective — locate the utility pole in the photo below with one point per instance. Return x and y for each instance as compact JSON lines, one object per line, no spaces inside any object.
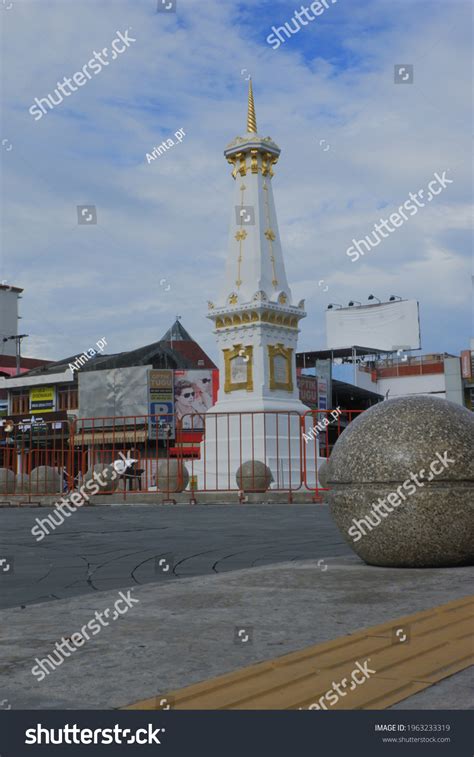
{"x":17,"y":339}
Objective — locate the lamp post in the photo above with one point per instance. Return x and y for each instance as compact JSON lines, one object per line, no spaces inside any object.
{"x":17,"y":339}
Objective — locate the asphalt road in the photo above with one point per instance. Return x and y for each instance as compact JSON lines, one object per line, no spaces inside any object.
{"x":104,"y":548}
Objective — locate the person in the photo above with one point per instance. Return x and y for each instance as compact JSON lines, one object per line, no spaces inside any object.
{"x":203,"y":388}
{"x":184,"y":399}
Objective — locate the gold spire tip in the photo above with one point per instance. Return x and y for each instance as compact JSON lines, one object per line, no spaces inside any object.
{"x":251,"y":117}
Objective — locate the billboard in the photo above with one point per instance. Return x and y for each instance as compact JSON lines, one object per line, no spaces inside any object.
{"x":42,"y":399}
{"x":388,"y":326}
{"x":195,"y":391}
{"x":114,"y":392}
{"x":308,"y":390}
{"x":323,"y":394}
{"x":161,"y":401}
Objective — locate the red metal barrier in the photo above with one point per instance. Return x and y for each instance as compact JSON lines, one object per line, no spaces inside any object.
{"x":320,"y":431}
{"x":208,"y":449}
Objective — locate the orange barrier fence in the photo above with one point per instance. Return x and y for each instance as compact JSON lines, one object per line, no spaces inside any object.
{"x":225,"y":452}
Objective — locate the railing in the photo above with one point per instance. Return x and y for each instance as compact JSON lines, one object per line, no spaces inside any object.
{"x":227,"y":452}
{"x":327,"y":427}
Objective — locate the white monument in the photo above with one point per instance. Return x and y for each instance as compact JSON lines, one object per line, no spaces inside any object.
{"x":256,"y":327}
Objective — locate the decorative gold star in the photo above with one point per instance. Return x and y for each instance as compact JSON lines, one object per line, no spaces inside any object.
{"x":270,"y":234}
{"x":240,"y":235}
{"x":233,"y":299}
{"x":282,"y":298}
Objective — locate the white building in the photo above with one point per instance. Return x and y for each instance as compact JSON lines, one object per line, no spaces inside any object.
{"x":438,"y":375}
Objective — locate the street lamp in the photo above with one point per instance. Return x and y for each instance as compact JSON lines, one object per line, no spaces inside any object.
{"x":394,"y":297}
{"x":332,"y":304}
{"x":372,"y":297}
{"x":353,"y":302}
{"x":17,"y":339}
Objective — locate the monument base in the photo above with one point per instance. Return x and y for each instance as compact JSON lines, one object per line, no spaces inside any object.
{"x":274,"y":438}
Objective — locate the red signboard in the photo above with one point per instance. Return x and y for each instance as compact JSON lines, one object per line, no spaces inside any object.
{"x":308,"y":388}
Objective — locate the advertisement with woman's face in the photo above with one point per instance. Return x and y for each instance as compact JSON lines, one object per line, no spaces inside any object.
{"x":193,"y":396}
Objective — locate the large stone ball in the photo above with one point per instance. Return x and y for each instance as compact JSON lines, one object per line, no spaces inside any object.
{"x":253,"y":476}
{"x":171,"y":476}
{"x":7,"y":481}
{"x":323,"y":474}
{"x":109,"y":479}
{"x":401,"y":480}
{"x":45,"y":480}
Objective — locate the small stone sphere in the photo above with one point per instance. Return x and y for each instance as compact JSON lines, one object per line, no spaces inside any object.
{"x":7,"y":481}
{"x":401,"y":480}
{"x":171,"y":476}
{"x":108,"y":475}
{"x":45,"y":480}
{"x":253,"y":476}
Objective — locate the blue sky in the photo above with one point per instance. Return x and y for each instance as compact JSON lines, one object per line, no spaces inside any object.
{"x":167,"y":221}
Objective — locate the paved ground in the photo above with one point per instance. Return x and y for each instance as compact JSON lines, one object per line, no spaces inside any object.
{"x":181,"y":632}
{"x":185,"y":630}
{"x":112,"y":547}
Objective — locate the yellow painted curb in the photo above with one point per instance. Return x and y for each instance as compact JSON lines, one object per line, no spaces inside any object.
{"x":429,"y":646}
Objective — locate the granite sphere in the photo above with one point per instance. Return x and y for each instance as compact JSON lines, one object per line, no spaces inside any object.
{"x":108,"y":476}
{"x":253,"y":476}
{"x":323,"y":474}
{"x":45,"y":480}
{"x":171,"y":476}
{"x":401,"y":480}
{"x":7,"y":481}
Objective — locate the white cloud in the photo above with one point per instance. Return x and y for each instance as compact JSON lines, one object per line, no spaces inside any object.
{"x":169,"y":219}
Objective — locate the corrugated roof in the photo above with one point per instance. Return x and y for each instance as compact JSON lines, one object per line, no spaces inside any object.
{"x":179,"y":352}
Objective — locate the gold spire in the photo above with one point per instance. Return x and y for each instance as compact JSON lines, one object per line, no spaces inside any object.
{"x":251,"y":118}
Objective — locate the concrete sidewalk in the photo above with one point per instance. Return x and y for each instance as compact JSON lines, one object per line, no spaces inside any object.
{"x":186,"y":631}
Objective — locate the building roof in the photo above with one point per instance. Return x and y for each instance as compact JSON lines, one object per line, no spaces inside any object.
{"x":8,"y":288}
{"x":8,"y":363}
{"x":178,"y":339}
{"x":308,"y":359}
{"x":177,"y":333}
{"x":177,"y":350}
{"x":342,"y":389}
